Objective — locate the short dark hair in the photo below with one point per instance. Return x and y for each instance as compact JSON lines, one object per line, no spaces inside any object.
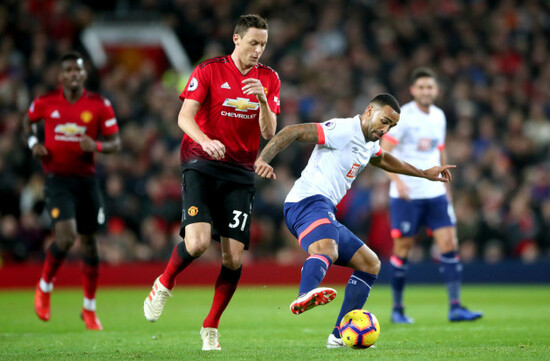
{"x":386,"y":99}
{"x":249,"y":21}
{"x":422,"y":72}
{"x":71,"y":55}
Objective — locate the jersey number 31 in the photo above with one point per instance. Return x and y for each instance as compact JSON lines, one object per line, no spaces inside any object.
{"x":238,"y":220}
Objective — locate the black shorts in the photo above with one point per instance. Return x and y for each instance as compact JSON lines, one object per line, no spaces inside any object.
{"x":226,"y":205}
{"x":75,"y":198}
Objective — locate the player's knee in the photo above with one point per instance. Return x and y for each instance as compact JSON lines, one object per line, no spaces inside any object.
{"x":371,"y":264}
{"x":89,"y":247}
{"x":401,"y":246}
{"x":375,"y":265}
{"x":447,"y":245}
{"x":65,"y":240}
{"x":197,"y":244}
{"x":232,"y":261}
{"x":326,"y":246}
{"x":446,"y":239}
{"x":332,"y":254}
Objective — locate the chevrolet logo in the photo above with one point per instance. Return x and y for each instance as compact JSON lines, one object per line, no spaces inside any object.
{"x":241,"y":104}
{"x":70,"y":129}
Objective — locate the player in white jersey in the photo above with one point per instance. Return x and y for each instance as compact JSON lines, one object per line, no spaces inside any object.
{"x":344,"y":148}
{"x":420,"y":140}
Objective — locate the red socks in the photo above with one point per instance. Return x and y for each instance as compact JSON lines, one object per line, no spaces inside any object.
{"x":54,"y":260}
{"x":179,"y":260}
{"x":226,"y":284}
{"x":90,"y":275}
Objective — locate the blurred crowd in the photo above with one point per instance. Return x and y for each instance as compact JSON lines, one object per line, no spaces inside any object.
{"x":492,"y":59}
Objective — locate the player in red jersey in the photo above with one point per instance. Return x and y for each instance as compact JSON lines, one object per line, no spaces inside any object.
{"x":74,"y":119}
{"x":228,"y":103}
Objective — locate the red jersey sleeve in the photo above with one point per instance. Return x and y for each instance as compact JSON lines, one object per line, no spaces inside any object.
{"x":197,"y":86}
{"x":273,"y":96}
{"x":107,"y":119}
{"x":35,"y":111}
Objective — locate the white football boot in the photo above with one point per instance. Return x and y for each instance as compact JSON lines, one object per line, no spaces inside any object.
{"x":335,"y":342}
{"x":210,"y":339}
{"x":154,"y":303}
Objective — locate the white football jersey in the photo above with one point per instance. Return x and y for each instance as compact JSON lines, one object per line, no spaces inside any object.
{"x":419,"y":139}
{"x":342,"y":153}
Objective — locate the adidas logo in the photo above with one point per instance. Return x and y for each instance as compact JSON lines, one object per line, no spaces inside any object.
{"x":55,"y":114}
{"x":225,"y":86}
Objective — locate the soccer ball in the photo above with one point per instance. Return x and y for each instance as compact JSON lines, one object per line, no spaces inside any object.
{"x":359,"y":329}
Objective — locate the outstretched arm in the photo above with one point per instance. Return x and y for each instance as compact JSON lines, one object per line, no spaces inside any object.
{"x":389,"y":163}
{"x":305,"y":133}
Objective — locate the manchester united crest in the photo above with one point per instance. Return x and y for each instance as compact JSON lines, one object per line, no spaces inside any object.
{"x":192,"y":211}
{"x":86,"y":116}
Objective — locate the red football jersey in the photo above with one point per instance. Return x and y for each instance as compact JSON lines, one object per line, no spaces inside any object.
{"x":65,"y":123}
{"x":226,"y":113}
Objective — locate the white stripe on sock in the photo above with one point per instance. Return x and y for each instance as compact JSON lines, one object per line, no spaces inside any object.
{"x":45,"y":286}
{"x":89,"y":304}
{"x":357,"y":278}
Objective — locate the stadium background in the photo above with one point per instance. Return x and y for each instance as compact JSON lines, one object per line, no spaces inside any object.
{"x":492,"y":58}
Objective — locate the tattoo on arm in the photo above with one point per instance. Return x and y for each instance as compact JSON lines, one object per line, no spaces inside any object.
{"x":305,"y":133}
{"x":375,"y":161}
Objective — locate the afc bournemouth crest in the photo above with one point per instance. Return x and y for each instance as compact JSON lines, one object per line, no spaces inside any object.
{"x":192,"y":211}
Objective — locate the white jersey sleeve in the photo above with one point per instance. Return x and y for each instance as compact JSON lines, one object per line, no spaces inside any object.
{"x":334,"y":134}
{"x":376,"y":150}
{"x":340,"y":155}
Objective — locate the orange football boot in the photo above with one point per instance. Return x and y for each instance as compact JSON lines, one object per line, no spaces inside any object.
{"x":42,"y":303}
{"x":90,"y":320}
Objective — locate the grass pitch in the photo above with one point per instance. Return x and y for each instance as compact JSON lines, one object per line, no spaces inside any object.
{"x":259,"y":326}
